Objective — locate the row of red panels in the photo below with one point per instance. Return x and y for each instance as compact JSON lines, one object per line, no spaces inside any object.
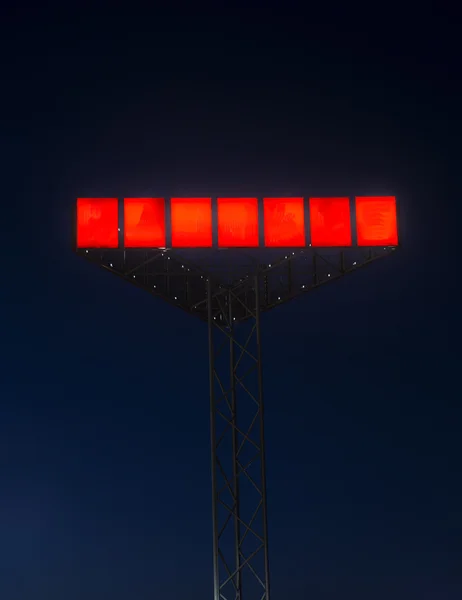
{"x":284,"y":221}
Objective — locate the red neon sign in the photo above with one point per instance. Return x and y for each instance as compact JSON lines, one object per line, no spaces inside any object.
{"x":191,"y":220}
{"x":237,"y":222}
{"x":284,"y":222}
{"x":330,"y":222}
{"x":376,"y":221}
{"x":144,"y":222}
{"x":97,"y":223}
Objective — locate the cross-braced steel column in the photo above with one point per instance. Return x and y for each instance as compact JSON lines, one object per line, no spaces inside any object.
{"x":240,"y":537}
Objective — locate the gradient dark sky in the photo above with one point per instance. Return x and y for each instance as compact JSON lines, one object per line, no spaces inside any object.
{"x":104,"y":431}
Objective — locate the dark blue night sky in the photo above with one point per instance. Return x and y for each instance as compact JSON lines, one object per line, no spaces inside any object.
{"x":104,"y":414}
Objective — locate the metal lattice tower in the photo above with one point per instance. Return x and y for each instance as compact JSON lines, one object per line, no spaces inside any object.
{"x":240,"y":529}
{"x":229,"y":290}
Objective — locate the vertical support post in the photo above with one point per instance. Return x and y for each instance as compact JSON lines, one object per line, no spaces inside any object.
{"x":262,"y":436}
{"x":216,"y":573}
{"x":232,"y":379}
{"x":240,"y":528}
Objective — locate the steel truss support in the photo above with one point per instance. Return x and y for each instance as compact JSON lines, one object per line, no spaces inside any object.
{"x":240,"y":530}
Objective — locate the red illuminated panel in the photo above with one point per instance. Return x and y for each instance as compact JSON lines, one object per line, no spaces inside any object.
{"x":144,"y":222}
{"x":237,"y":222}
{"x":97,"y":223}
{"x":191,"y":222}
{"x":330,"y":222}
{"x":284,"y":220}
{"x":376,"y":222}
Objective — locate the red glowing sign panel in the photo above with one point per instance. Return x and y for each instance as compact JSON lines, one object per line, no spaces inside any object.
{"x":237,"y":222}
{"x":284,"y":220}
{"x":97,"y":223}
{"x":191,"y":222}
{"x":376,"y":222}
{"x":330,"y":222}
{"x":144,"y":222}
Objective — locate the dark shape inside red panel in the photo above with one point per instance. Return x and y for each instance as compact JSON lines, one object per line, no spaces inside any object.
{"x":284,"y":222}
{"x":330,"y":223}
{"x":191,"y":222}
{"x":237,"y":222}
{"x":144,"y":223}
{"x":97,"y":223}
{"x":376,"y":222}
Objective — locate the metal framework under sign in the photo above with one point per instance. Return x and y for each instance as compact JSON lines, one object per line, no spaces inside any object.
{"x":229,"y":288}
